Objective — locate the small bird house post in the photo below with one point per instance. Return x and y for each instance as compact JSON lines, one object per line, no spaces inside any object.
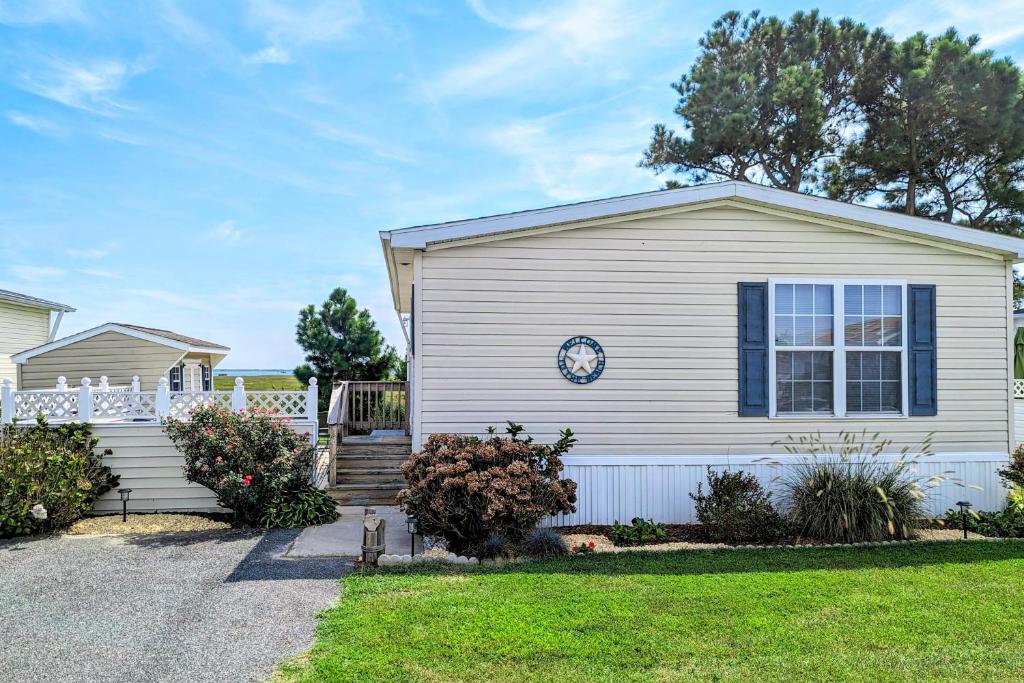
{"x":373,"y":536}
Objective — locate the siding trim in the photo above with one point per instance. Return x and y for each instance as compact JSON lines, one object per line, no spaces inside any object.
{"x":763,"y":458}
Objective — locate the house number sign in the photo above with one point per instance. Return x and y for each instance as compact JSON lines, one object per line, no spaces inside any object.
{"x":581,"y":360}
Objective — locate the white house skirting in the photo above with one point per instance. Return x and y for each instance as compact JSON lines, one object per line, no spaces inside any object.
{"x":658,"y":487}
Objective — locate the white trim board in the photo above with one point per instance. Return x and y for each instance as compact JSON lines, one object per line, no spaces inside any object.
{"x":418,"y":237}
{"x":764,"y":459}
{"x":114,"y":327}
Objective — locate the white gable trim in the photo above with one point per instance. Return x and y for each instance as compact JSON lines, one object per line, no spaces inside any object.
{"x":420,"y":237}
{"x":113,"y":327}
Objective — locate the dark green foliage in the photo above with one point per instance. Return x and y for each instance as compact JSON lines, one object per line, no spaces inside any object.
{"x":737,"y":509}
{"x":851,"y":494}
{"x":254,"y":462}
{"x":306,"y":506}
{"x":542,"y":542}
{"x":932,"y":127}
{"x":342,"y":343}
{"x":468,"y":490}
{"x":57,"y":468}
{"x":1006,"y":523}
{"x":640,"y":532}
{"x":495,"y":547}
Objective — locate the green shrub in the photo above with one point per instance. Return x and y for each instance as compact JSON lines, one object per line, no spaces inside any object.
{"x":56,"y":468}
{"x":1013,"y":474}
{"x":641,"y":532}
{"x":306,"y":506}
{"x":1005,"y":523}
{"x":851,"y":495}
{"x":466,"y":490}
{"x":737,"y":509}
{"x":494,"y":547}
{"x":543,"y":542}
{"x":254,"y":462}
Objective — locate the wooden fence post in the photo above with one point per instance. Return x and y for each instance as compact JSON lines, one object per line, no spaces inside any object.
{"x":7,"y":401}
{"x":238,"y":395}
{"x":85,"y":401}
{"x":373,"y":536}
{"x":163,"y":399}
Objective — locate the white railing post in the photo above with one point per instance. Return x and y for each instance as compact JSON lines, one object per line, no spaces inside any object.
{"x":163,"y":399}
{"x":7,"y":401}
{"x":104,"y":384}
{"x":238,"y":395}
{"x":62,"y":383}
{"x":85,"y":400}
{"x":136,"y":385}
{"x":312,"y":398}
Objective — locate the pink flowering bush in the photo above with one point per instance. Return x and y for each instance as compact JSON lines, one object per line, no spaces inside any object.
{"x":253,"y":461}
{"x":468,"y":490}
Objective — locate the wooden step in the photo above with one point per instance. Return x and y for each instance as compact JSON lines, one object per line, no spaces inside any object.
{"x":365,"y":494}
{"x":367,"y":475}
{"x":362,"y":462}
{"x":374,"y":449}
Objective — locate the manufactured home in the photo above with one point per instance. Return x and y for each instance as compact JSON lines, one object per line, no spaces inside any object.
{"x":25,"y":322}
{"x":681,"y":329}
{"x":121,"y":352}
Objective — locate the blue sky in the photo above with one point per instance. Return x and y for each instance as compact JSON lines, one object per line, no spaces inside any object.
{"x":211,"y":167}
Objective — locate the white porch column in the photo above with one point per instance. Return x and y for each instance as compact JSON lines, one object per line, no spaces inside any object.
{"x":312,"y":403}
{"x":136,"y":384}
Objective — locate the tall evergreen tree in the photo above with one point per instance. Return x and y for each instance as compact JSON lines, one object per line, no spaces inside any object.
{"x":942,"y":133}
{"x":767,"y":100}
{"x":341,"y":343}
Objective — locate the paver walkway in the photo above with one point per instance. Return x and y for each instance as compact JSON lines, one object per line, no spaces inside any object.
{"x":344,"y":538}
{"x":211,"y":606}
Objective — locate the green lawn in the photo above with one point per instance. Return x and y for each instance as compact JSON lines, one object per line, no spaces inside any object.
{"x":938,"y":611}
{"x":260,"y":383}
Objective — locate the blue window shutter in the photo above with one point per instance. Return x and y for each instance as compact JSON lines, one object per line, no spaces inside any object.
{"x":207,"y":377}
{"x":753,"y":349}
{"x":921,"y":345}
{"x":175,"y":378}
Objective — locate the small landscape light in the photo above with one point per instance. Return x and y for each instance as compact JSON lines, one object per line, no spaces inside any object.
{"x":125,"y":494}
{"x":965,"y":505}
{"x":413,"y":524}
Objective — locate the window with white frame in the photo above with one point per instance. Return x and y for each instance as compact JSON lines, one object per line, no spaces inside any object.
{"x":838,"y":347}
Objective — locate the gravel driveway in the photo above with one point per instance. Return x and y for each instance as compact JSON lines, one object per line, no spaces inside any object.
{"x":213,"y":606}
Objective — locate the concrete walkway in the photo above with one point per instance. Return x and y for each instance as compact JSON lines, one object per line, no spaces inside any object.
{"x":344,"y":538}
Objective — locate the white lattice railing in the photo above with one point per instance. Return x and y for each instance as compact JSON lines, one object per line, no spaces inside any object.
{"x":131,"y":404}
{"x":1018,"y":388}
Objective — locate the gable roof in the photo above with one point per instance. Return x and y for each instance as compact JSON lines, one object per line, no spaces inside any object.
{"x":173,"y":336}
{"x":164,"y":337}
{"x":26,"y":300}
{"x":419,"y":237}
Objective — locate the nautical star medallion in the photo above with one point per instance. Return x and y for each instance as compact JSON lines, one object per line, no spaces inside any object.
{"x":581,"y":360}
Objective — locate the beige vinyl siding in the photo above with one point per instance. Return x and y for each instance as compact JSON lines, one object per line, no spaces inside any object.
{"x":113,"y":354}
{"x":21,"y":328}
{"x":151,"y":467}
{"x":659,"y":294}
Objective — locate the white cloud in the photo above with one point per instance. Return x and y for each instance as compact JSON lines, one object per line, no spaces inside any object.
{"x":996,"y":23}
{"x":226,"y":232}
{"x":105,"y":273}
{"x":31,"y":273}
{"x":19,"y":12}
{"x":87,"y":87}
{"x":572,"y":162}
{"x":578,"y":39}
{"x":196,"y":302}
{"x":288,"y":26}
{"x":88,"y":253}
{"x":36,"y":124}
{"x":272,"y":54}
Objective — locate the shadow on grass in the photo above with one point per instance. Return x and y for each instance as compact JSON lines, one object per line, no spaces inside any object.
{"x":683,"y":562}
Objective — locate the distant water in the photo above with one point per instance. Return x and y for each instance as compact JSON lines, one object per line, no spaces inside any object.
{"x":249,"y":372}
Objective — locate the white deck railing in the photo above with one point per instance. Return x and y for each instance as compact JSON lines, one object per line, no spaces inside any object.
{"x":1018,"y":388}
{"x":130,"y":404}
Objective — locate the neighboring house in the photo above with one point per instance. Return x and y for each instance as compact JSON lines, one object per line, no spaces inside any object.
{"x":25,"y":322}
{"x":119,"y":352}
{"x":681,"y":329}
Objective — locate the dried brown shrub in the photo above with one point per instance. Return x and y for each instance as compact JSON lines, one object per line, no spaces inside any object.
{"x":466,"y":489}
